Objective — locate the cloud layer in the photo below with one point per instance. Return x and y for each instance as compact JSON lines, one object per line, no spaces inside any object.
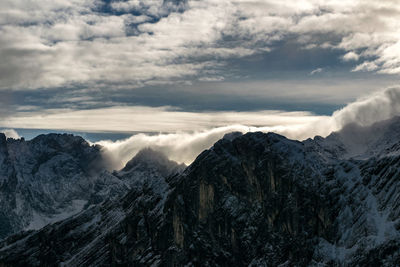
{"x":183,"y":135}
{"x":185,"y":146}
{"x":147,"y":119}
{"x":135,"y":43}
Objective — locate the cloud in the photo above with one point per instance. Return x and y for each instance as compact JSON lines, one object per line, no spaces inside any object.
{"x":10,"y":133}
{"x":185,"y":146}
{"x":365,"y":111}
{"x":318,"y":70}
{"x":211,"y":79}
{"x":351,"y":56}
{"x":128,"y":5}
{"x":155,"y":8}
{"x":366,"y":66}
{"x":149,"y":119}
{"x":64,"y":43}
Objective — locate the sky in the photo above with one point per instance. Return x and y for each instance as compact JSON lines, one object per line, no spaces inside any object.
{"x":119,"y":69}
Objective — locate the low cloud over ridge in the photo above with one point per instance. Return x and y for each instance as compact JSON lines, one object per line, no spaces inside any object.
{"x":185,"y":146}
{"x":10,"y":133}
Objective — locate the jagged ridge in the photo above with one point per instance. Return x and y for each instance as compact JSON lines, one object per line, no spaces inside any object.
{"x":54,"y":176}
{"x":256,"y":199}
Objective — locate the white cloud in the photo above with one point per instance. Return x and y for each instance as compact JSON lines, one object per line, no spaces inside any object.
{"x":381,"y":105}
{"x":212,"y":79}
{"x":149,"y":7}
{"x":366,"y":66}
{"x":127,"y":5}
{"x":148,"y":119}
{"x":10,"y":133}
{"x":318,"y":70}
{"x":184,"y":146}
{"x":351,"y":56}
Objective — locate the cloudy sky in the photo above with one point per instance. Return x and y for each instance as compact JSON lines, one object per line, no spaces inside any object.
{"x":173,"y":66}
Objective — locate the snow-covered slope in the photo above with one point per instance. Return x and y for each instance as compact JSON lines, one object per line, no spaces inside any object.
{"x":149,"y":167}
{"x":251,"y":200}
{"x":53,"y":177}
{"x":363,"y":142}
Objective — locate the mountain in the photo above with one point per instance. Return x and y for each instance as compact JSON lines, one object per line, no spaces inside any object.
{"x":148,"y":166}
{"x":355,"y":141}
{"x":54,"y":176}
{"x":255,"y":199}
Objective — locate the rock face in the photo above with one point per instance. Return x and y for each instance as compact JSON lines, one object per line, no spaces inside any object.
{"x":55,"y":176}
{"x":256,"y":200}
{"x":149,"y":167}
{"x":44,"y":179}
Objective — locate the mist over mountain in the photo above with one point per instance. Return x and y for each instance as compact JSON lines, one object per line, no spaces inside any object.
{"x":255,"y":199}
{"x":184,"y":146}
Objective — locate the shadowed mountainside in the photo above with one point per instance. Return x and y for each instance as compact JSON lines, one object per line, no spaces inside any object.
{"x":256,"y":199}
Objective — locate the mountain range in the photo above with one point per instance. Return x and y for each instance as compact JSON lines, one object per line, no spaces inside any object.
{"x":54,"y":176}
{"x":255,"y":199}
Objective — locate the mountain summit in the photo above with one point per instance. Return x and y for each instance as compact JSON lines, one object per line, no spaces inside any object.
{"x":150,"y":158}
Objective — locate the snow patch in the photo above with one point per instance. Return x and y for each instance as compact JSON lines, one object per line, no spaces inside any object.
{"x":40,"y":220}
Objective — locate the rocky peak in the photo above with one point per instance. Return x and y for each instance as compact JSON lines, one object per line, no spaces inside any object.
{"x":3,"y":143}
{"x":150,"y":158}
{"x":232,"y":135}
{"x":60,"y":142}
{"x":357,"y":141}
{"x":3,"y":139}
{"x":47,"y":178}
